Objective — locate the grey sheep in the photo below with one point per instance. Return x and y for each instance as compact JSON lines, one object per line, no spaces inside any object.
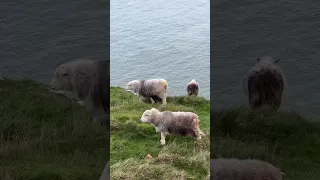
{"x":149,"y":89}
{"x":265,"y":84}
{"x":248,"y":169}
{"x":181,"y":123}
{"x":193,"y":88}
{"x":87,"y":81}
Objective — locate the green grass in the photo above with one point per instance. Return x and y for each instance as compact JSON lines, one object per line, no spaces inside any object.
{"x":286,"y":140}
{"x":47,"y":137}
{"x":131,"y":140}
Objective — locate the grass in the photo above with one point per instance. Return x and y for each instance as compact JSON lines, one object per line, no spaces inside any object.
{"x":131,"y":141}
{"x":286,"y":140}
{"x":47,"y":137}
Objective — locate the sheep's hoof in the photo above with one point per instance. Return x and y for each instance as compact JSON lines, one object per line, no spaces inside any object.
{"x":163,"y":143}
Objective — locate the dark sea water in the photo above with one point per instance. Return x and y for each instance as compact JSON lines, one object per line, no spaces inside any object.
{"x":245,"y":30}
{"x":36,"y":36}
{"x":161,"y":39}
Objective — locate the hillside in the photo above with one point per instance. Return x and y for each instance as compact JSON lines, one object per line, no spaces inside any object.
{"x":287,"y":140}
{"x":45,"y":136}
{"x":131,"y":141}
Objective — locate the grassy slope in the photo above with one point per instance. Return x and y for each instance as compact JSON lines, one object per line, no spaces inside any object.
{"x":43,"y":136}
{"x":284,"y":139}
{"x":132,"y":140}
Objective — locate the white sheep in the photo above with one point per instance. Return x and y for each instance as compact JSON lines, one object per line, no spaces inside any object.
{"x":149,"y":89}
{"x":87,"y":81}
{"x":265,"y":84}
{"x":182,"y":123}
{"x":193,"y":88}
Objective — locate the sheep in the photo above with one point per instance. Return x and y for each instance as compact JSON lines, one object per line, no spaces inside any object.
{"x":167,"y":122}
{"x":265,"y":84}
{"x":248,"y":169}
{"x":193,"y":88}
{"x":87,"y":81}
{"x":148,"y":89}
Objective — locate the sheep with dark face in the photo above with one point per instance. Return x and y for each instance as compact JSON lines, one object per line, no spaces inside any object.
{"x":265,"y":84}
{"x":149,"y":89}
{"x":193,"y":88}
{"x":88,"y":82}
{"x":181,"y":123}
{"x":248,"y":169}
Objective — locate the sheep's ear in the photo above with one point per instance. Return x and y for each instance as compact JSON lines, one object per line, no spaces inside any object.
{"x":277,"y":61}
{"x":153,"y":109}
{"x":283,"y":174}
{"x":258,"y":59}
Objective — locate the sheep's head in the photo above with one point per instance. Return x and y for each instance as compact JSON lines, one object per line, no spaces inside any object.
{"x":61,"y":79}
{"x":146,"y":116}
{"x":132,"y":86}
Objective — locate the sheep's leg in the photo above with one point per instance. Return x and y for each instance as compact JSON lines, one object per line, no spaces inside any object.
{"x":198,"y":133}
{"x":151,"y":99}
{"x":164,"y":102}
{"x":157,"y":130}
{"x":163,"y":138}
{"x":163,"y":96}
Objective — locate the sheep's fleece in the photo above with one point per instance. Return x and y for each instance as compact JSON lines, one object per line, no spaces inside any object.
{"x":148,"y":89}
{"x":88,"y":81}
{"x":167,"y":122}
{"x":248,"y":169}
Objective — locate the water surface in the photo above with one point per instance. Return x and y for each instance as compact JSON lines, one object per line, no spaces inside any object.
{"x":36,"y":36}
{"x":161,"y":39}
{"x":245,"y":30}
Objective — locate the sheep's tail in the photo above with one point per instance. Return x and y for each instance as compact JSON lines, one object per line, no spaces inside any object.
{"x":164,"y":84}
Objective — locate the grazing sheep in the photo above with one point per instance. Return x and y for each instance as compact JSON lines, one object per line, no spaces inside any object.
{"x":265,"y":84}
{"x":106,"y":172}
{"x":147,"y":89}
{"x":87,"y":81}
{"x":193,"y":88}
{"x":249,"y":169}
{"x":182,"y":123}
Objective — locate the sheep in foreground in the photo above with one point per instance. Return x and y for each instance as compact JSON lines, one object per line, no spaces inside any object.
{"x":265,"y":84}
{"x":181,"y":123}
{"x":248,"y":169}
{"x":87,"y":81}
{"x":193,"y":88}
{"x":149,"y":89}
